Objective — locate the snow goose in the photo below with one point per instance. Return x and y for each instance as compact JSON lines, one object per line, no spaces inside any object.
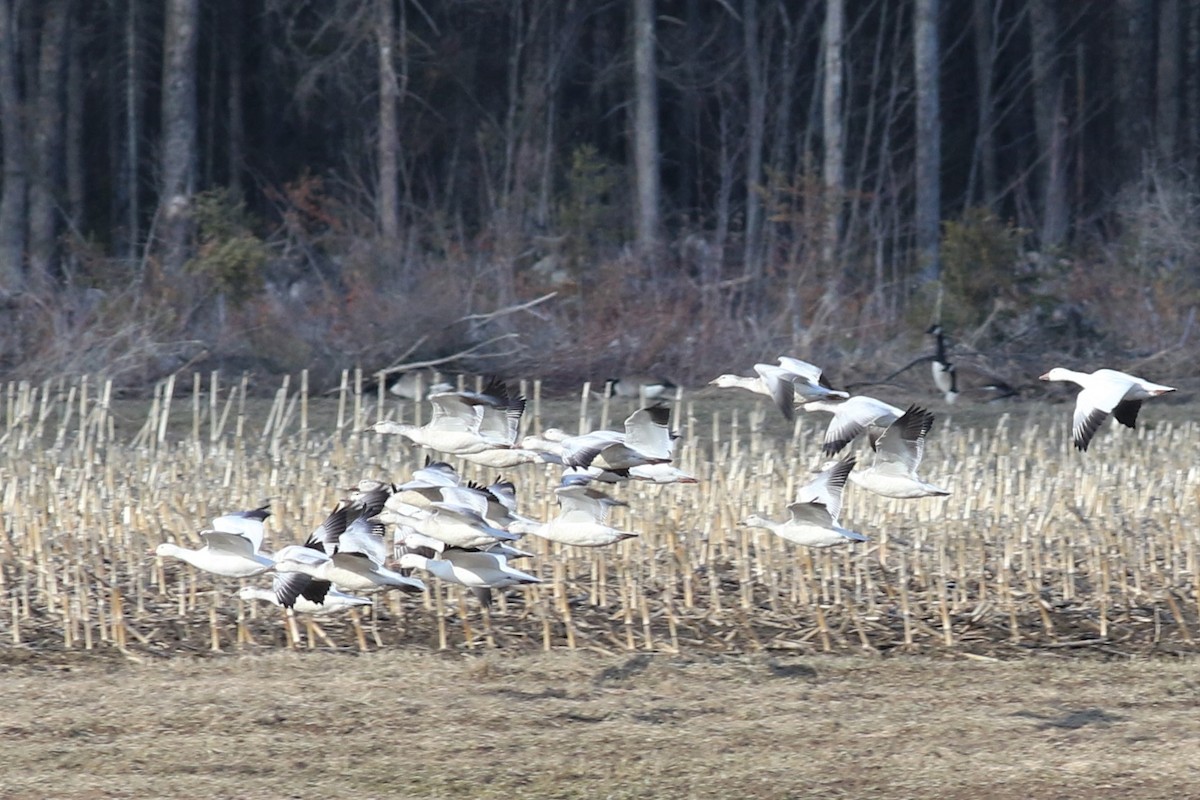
{"x":479,"y":571}
{"x":1104,"y":392}
{"x":353,"y":562}
{"x":231,"y":548}
{"x":303,"y":594}
{"x":898,"y":453}
{"x":645,"y":440}
{"x":417,"y":384}
{"x":644,"y":387}
{"x":455,"y":525}
{"x":808,"y":380}
{"x":465,"y":422}
{"x":583,"y":518}
{"x":813,"y":520}
{"x":852,"y":417}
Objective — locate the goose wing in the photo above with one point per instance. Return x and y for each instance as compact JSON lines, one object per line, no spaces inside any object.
{"x":826,"y":488}
{"x":247,"y":523}
{"x":231,"y":543}
{"x":1104,"y":391}
{"x":647,"y":431}
{"x":778,"y":382}
{"x":854,"y":416}
{"x":811,"y":513}
{"x":902,"y":445}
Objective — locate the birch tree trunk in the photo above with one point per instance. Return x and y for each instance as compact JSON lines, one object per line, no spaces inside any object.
{"x":13,"y":200}
{"x":389,"y":142}
{"x":178,"y":159}
{"x":929,"y":140}
{"x":645,"y":123}
{"x":834,"y":169}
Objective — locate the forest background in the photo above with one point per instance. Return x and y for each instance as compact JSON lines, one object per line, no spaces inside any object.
{"x":566,"y":190}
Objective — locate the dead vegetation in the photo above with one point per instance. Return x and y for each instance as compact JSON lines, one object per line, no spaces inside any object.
{"x":1038,"y":548}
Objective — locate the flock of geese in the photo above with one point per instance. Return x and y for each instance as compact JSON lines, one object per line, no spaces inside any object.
{"x":461,"y":532}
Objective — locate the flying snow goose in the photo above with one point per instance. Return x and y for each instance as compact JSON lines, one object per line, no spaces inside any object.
{"x":898,"y":453}
{"x":465,"y":422}
{"x":456,"y":525}
{"x":1105,"y":391}
{"x":303,"y":594}
{"x":808,"y":380}
{"x":639,"y":387}
{"x":813,"y":520}
{"x":479,"y":571}
{"x":645,"y":440}
{"x":231,"y":549}
{"x":583,"y":518}
{"x":852,"y":417}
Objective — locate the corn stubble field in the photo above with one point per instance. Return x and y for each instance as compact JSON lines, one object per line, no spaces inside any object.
{"x":696,"y":649}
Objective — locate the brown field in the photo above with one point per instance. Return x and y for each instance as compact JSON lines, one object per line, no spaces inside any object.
{"x":1031,"y":635}
{"x":584,"y":725}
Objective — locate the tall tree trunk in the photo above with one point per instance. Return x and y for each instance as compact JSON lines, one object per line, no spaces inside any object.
{"x":645,"y":125}
{"x":45,"y":187}
{"x":834,"y":168}
{"x":755,"y":134}
{"x":1192,"y":60}
{"x":128,"y":179}
{"x":75,"y":130}
{"x":1168,"y":85}
{"x":236,"y":149}
{"x":1049,"y":126}
{"x":178,"y":160}
{"x":985,"y":67}
{"x":929,"y":140}
{"x":1134,"y":35}
{"x":13,"y":200}
{"x":389,"y":140}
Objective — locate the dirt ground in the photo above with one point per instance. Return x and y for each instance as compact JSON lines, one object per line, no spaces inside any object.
{"x":580,"y":725}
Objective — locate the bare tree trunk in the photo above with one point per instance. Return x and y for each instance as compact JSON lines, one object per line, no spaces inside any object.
{"x":76,"y":188}
{"x":755,"y":134}
{"x":1192,"y":60}
{"x":834,"y":169}
{"x":13,"y":200}
{"x":237,"y":120}
{"x":1049,"y":125}
{"x":1134,"y":35}
{"x":133,"y":212}
{"x":178,"y":159}
{"x":1168,"y":84}
{"x":46,"y":134}
{"x":985,"y":68}
{"x":929,"y":140}
{"x":389,"y":140}
{"x":645,"y":123}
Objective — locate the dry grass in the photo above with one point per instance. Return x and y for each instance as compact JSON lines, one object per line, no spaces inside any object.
{"x":576,"y":725}
{"x":1039,"y":547}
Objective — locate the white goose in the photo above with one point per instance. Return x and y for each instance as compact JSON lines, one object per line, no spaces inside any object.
{"x":898,"y":453}
{"x":231,"y":549}
{"x":465,"y":422}
{"x":785,"y":383}
{"x":303,"y":594}
{"x":1105,"y":391}
{"x":852,"y":417}
{"x":645,"y":440}
{"x":583,"y":519}
{"x":814,"y":515}
{"x":479,"y":571}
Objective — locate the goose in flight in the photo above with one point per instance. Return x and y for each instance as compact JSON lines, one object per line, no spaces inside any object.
{"x":478,"y":570}
{"x":853,"y":417}
{"x":646,"y":440}
{"x":583,"y":518}
{"x":231,"y":548}
{"x":639,"y":387}
{"x":898,"y":453}
{"x":465,"y":422}
{"x":303,"y":594}
{"x":813,"y":520}
{"x":1104,"y":392}
{"x":791,"y":382}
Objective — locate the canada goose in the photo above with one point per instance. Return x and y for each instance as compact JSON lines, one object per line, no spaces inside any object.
{"x":1104,"y":392}
{"x":898,"y":453}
